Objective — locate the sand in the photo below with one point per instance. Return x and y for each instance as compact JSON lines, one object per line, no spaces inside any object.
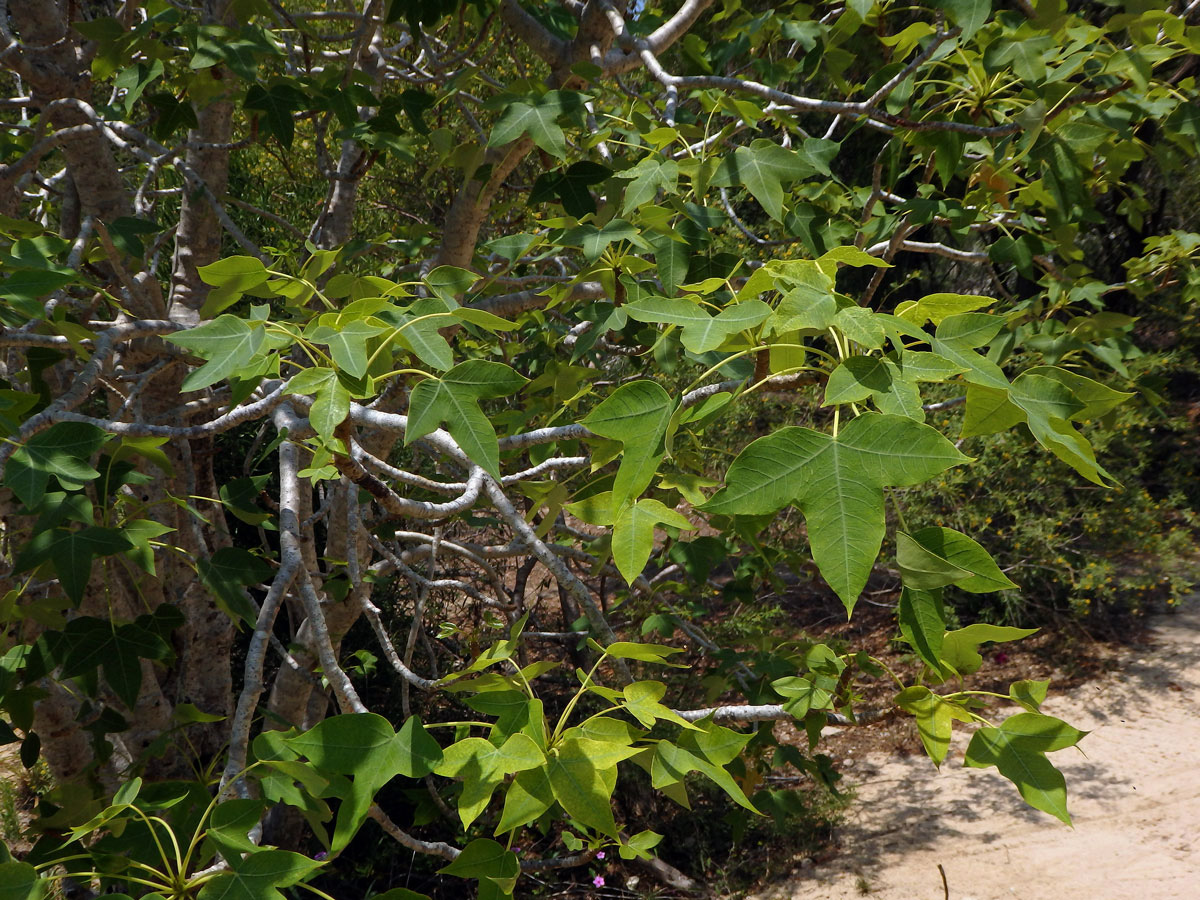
{"x":1133,"y":791}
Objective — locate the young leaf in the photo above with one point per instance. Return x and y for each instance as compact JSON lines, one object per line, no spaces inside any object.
{"x":937,"y":307}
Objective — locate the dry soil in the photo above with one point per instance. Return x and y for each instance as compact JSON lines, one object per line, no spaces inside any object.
{"x":1133,"y":790}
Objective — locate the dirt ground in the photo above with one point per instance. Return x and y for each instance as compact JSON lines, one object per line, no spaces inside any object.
{"x":1134,"y":793}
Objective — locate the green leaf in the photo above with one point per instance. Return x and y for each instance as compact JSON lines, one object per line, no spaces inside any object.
{"x":653,"y":653}
{"x":127,"y":233}
{"x":62,"y":450}
{"x":636,"y":414}
{"x":719,"y":745}
{"x":583,"y":776}
{"x":483,"y":319}
{"x":861,"y":325}
{"x":348,"y":346}
{"x":1095,"y":399}
{"x":537,"y":117}
{"x":421,"y":336}
{"x":762,"y":168}
{"x":71,"y":554}
{"x":642,"y":701}
{"x":923,"y":624}
{"x":92,"y":642}
{"x":363,"y":745}
{"x":804,"y":693}
{"x":349,"y":744}
{"x":20,"y":881}
{"x":934,"y":719}
{"x":639,"y":845}
{"x":960,"y":649}
{"x":633,"y":534}
{"x":938,"y":307}
{"x":892,"y":386}
{"x":450,"y":282}
{"x":258,"y":876}
{"x":417,"y":752}
{"x":230,"y":825}
{"x":989,"y":411}
{"x":231,"y":278}
{"x":572,"y":185}
{"x":934,"y":557}
{"x":227,"y":342}
{"x":24,"y":288}
{"x":482,"y":859}
{"x":454,"y":400}
{"x":651,"y":174}
{"x":672,"y":258}
{"x":529,"y":796}
{"x":1041,"y":733}
{"x":969,"y":15}
{"x":1040,"y":784}
{"x":1048,"y":406}
{"x":482,"y":766}
{"x":139,"y":533}
{"x":1029,"y":694}
{"x":672,"y":764}
{"x":276,"y":105}
{"x":331,"y":399}
{"x":701,"y":331}
{"x":838,"y":484}
{"x":227,"y":573}
{"x":957,"y":337}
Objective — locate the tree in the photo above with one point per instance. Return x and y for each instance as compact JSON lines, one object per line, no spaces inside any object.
{"x":352,"y":314}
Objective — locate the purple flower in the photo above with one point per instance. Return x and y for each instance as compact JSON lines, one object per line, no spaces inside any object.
{"x":516,"y":849}
{"x":600,"y":855}
{"x":598,"y":881}
{"x":319,"y":856}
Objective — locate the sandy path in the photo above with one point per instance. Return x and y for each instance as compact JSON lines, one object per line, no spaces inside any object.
{"x":1135,"y":799}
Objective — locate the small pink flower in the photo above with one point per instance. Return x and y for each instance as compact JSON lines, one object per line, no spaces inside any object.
{"x":1001,"y":657}
{"x":598,"y":881}
{"x":600,"y":855}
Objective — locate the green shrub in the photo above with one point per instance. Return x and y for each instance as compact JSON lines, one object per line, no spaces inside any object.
{"x":1077,"y":549}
